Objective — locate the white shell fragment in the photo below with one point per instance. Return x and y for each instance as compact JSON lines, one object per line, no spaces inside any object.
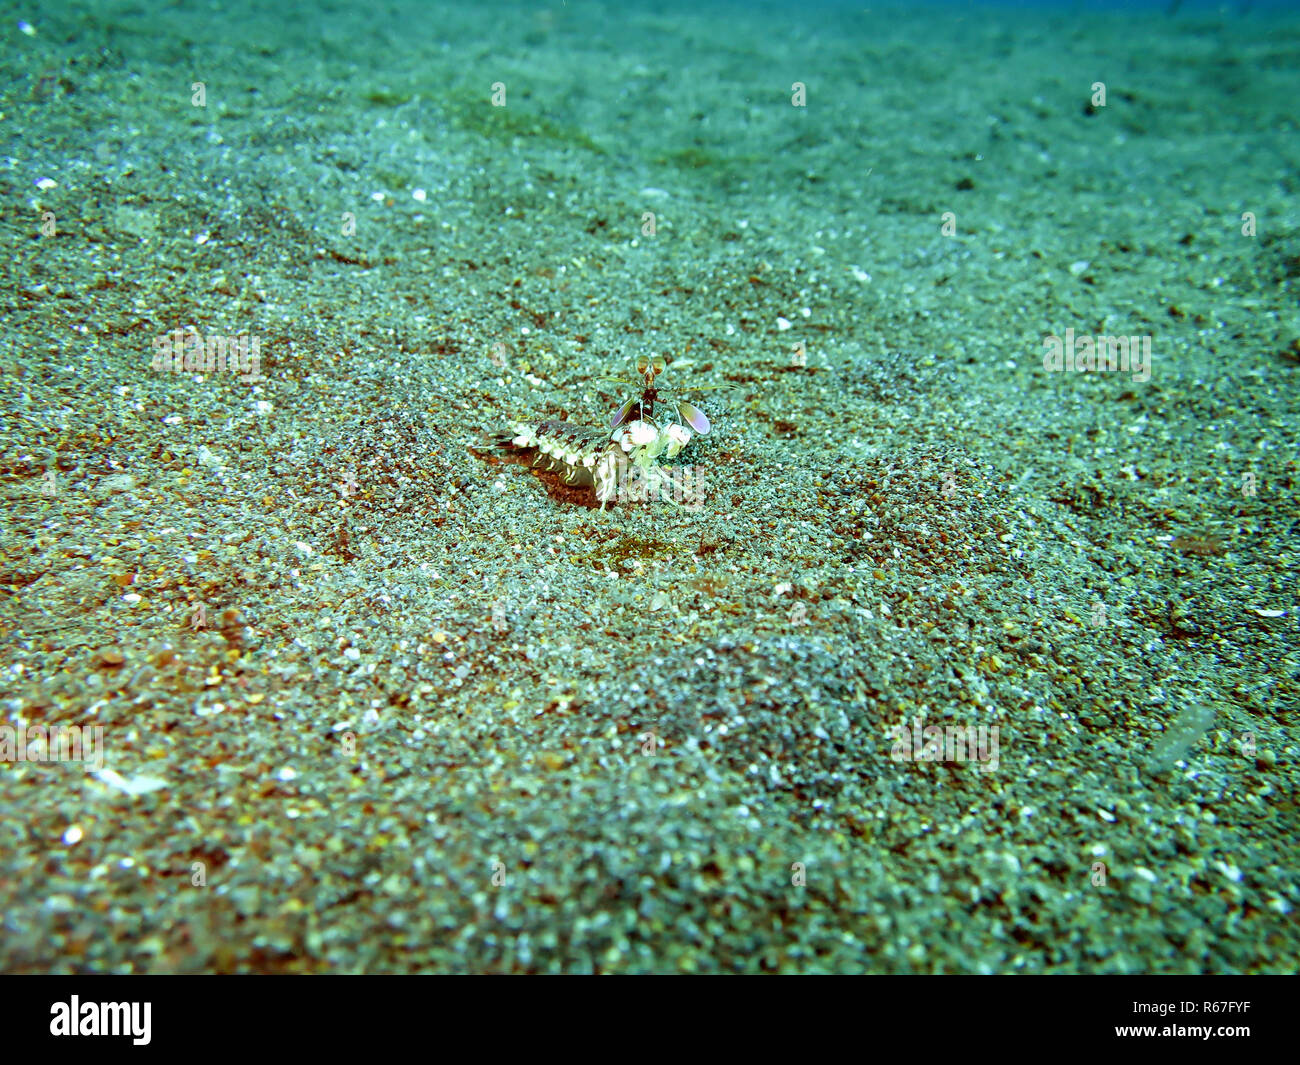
{"x":137,"y":785}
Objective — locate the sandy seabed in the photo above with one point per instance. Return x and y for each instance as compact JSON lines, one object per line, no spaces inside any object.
{"x":964,"y":665}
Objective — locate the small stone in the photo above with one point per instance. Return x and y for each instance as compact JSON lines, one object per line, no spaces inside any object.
{"x":118,"y":482}
{"x":109,"y":657}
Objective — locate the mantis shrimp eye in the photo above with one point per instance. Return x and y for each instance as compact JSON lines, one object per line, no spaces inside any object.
{"x":651,"y":368}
